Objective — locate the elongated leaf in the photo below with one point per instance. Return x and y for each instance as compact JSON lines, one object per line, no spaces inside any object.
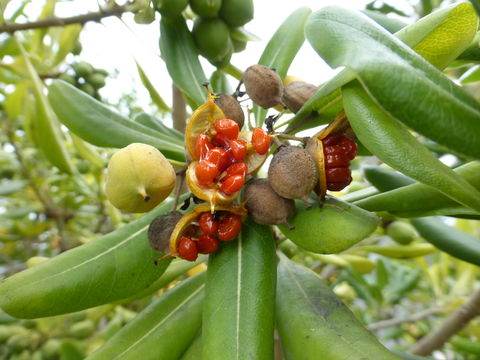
{"x":99,"y":125}
{"x":454,"y":242}
{"x":397,"y":78}
{"x":385,"y":180}
{"x":392,"y":143}
{"x":282,"y":48}
{"x":47,"y":129}
{"x":313,"y":321}
{"x":163,"y":330}
{"x":154,"y":95}
{"x":109,"y":268}
{"x":419,"y":197}
{"x":157,"y":125}
{"x":194,"y":350}
{"x":391,"y":24}
{"x":180,"y":55}
{"x":238,"y":316}
{"x":67,"y":42}
{"x":219,"y":82}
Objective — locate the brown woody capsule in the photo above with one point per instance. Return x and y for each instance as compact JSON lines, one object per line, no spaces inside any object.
{"x":231,"y":108}
{"x":265,"y":206}
{"x":293,"y":173}
{"x":161,"y":229}
{"x":297,"y":93}
{"x":263,"y":85}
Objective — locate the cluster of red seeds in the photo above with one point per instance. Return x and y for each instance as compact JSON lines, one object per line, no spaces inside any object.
{"x":338,"y":151}
{"x":222,"y":157}
{"x":204,"y":237}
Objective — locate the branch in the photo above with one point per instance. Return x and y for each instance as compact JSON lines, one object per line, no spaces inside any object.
{"x":453,"y":324}
{"x":114,"y":10}
{"x":397,"y":321}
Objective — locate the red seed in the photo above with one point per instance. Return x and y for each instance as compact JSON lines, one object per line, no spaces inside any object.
{"x":334,"y":160}
{"x":337,"y":186}
{"x":239,"y":168}
{"x":206,"y":172}
{"x":221,"y":140}
{"x":260,"y":141}
{"x":339,"y":174}
{"x":232,"y":184}
{"x":228,"y":128}
{"x":229,"y":227}
{"x":239,"y":149}
{"x":207,"y":223}
{"x":202,"y":145}
{"x":207,"y":244}
{"x":187,"y":249}
{"x":332,"y":139}
{"x":220,"y":157}
{"x":349,"y":146}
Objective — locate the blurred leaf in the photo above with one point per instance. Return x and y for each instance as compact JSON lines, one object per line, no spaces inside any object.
{"x":385,"y":180}
{"x":158,"y":125}
{"x":238,"y":318}
{"x":8,"y":187}
{"x":471,"y":75}
{"x":312,"y":320}
{"x":162,"y":330}
{"x":68,"y":38}
{"x":389,"y":23}
{"x":282,"y":49}
{"x":180,"y":55}
{"x":99,"y":125}
{"x":154,"y":95}
{"x":109,"y":268}
{"x":378,"y":59}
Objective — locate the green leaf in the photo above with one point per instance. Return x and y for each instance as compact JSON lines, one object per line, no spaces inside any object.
{"x":471,"y":75}
{"x":47,"y":129}
{"x":67,"y":42}
{"x":419,"y":197}
{"x":392,"y":143}
{"x":109,"y":268}
{"x":219,"y":82}
{"x":454,"y":242}
{"x":282,"y":48}
{"x":385,"y":180}
{"x":180,"y":55}
{"x":158,"y":125}
{"x":312,"y":320}
{"x":238,"y":317}
{"x":389,"y":23}
{"x":154,"y":95}
{"x":396,"y":78}
{"x":8,"y":187}
{"x":99,"y":125}
{"x":194,"y":350}
{"x":163,"y":330}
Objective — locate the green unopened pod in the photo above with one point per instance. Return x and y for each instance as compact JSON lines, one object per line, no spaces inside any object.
{"x":170,"y":8}
{"x":236,"y":12}
{"x":330,"y":228}
{"x":206,"y":8}
{"x":212,"y":38}
{"x":314,"y":324}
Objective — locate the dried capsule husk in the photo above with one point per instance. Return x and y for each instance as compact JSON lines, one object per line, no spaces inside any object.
{"x":296,"y":93}
{"x":231,"y":108}
{"x":314,"y":147}
{"x":161,"y":229}
{"x":263,"y":85}
{"x":265,"y":206}
{"x":293,"y":173}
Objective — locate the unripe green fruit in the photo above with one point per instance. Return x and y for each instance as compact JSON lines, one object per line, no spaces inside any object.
{"x":68,"y":78}
{"x":170,"y":8}
{"x":36,"y":260}
{"x":236,"y":12}
{"x":77,"y":48}
{"x":206,"y":8}
{"x":51,"y":349}
{"x":87,"y":89}
{"x":18,"y":342}
{"x":82,"y":69}
{"x":96,"y":80}
{"x":145,"y":16}
{"x":402,"y":232}
{"x":239,"y":45}
{"x":103,"y":72}
{"x":4,"y":333}
{"x":139,"y":178}
{"x":331,"y":228}
{"x":212,"y":39}
{"x":82,"y":329}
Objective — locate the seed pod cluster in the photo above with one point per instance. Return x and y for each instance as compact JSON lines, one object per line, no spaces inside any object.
{"x":296,"y":93}
{"x":263,"y":85}
{"x":231,"y":108}
{"x":85,"y":77}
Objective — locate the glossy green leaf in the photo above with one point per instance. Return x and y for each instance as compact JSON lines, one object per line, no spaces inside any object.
{"x":180,"y":55}
{"x":157,"y":125}
{"x":392,"y":143}
{"x":282,"y":48}
{"x":471,"y":75}
{"x":194,"y":350}
{"x":419,"y":197}
{"x":66,"y":43}
{"x":446,"y":113}
{"x":311,"y":320}
{"x":454,"y":242}
{"x":219,"y":82}
{"x":238,"y":317}
{"x":163,"y":330}
{"x":109,"y":268}
{"x":154,"y":95}
{"x":47,"y":128}
{"x":385,"y":180}
{"x":99,"y":125}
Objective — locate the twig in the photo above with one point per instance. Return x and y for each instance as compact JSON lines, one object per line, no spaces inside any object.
{"x":452,"y":325}
{"x":397,"y":321}
{"x":179,"y":110}
{"x":114,"y":10}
